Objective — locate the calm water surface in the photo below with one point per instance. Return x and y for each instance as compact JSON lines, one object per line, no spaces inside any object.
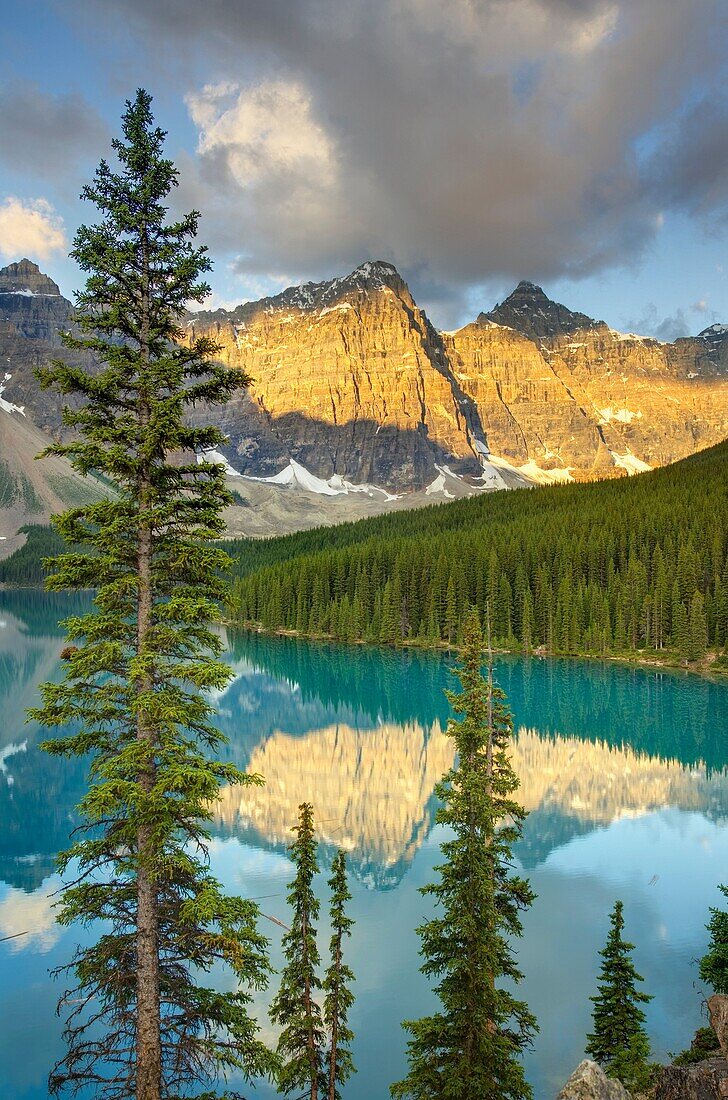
{"x":623,"y":772}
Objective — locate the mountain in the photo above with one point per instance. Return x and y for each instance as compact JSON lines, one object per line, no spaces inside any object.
{"x":528,"y":310}
{"x":351,"y":380}
{"x":359,"y":405}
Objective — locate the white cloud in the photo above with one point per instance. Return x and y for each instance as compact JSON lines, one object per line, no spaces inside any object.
{"x":30,"y":228}
{"x":266,"y":129}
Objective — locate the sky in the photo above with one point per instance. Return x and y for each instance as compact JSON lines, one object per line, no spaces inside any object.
{"x":579,"y":144}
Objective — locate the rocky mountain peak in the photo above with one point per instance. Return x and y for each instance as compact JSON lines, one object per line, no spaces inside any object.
{"x":714,"y":332}
{"x":371,"y":277}
{"x":26,"y":278}
{"x":529,"y":310}
{"x":375,"y":275}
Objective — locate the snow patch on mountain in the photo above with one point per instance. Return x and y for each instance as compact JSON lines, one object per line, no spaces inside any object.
{"x":624,"y":416}
{"x":438,"y":486}
{"x":630,"y":463}
{"x":530,"y":473}
{"x":341,"y":307}
{"x":491,"y":477}
{"x":296,"y":476}
{"x":218,"y":459}
{"x":6,"y":406}
{"x":557,"y":476}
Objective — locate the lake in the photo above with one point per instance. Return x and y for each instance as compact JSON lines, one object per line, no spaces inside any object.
{"x":623,"y":772}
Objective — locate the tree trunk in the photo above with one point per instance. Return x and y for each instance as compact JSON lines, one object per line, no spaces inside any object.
{"x":312,"y":1059}
{"x":148,"y":1021}
{"x":335,"y":1023}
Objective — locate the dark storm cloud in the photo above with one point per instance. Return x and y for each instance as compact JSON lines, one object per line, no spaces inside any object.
{"x":46,"y":135}
{"x":468,"y":142}
{"x":690,"y":170}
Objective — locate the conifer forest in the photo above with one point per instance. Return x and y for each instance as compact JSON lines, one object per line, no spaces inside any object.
{"x":611,"y":568}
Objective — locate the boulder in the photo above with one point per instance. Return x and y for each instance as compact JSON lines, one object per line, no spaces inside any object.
{"x":590,"y":1082}
{"x":718,"y":1016}
{"x":706,"y":1080}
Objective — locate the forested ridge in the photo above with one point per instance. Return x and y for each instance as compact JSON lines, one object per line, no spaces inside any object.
{"x":24,"y":567}
{"x":612,"y":567}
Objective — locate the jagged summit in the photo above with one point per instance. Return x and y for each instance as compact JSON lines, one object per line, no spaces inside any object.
{"x":529,"y":310}
{"x":26,"y":278}
{"x":525,"y":287}
{"x":370,"y":277}
{"x":714,"y":332}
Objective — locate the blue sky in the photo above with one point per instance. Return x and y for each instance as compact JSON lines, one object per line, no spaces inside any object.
{"x":581,"y":144}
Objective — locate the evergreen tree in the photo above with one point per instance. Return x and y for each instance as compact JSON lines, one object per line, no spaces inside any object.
{"x":338,"y":997}
{"x":619,"y":1041}
{"x":301,"y":1042}
{"x":471,"y":1048}
{"x":143,"y":1024}
{"x":697,"y":628}
{"x":714,"y":964}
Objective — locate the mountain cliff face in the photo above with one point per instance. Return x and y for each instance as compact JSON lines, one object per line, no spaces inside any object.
{"x":350,"y":379}
{"x":354,"y":391}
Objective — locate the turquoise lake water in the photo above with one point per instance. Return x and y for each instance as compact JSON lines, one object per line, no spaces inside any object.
{"x":623,"y":772}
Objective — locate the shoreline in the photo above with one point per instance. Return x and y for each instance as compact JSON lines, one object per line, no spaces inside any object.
{"x":707,"y":669}
{"x":710,"y":668}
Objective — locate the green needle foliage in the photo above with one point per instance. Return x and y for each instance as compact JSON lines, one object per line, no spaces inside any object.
{"x":471,"y":1049}
{"x":338,"y":996}
{"x":301,"y":1042}
{"x":143,"y":1021}
{"x":615,"y":567}
{"x":714,"y":964}
{"x":619,"y":1041}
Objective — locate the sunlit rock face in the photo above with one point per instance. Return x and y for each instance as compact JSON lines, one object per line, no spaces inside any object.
{"x":350,"y":378}
{"x":352,"y":384}
{"x":566,"y":391}
{"x":527,"y":411}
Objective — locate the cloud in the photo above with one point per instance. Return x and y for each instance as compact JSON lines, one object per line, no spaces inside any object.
{"x":263,"y":132}
{"x":45,"y":134}
{"x":650,"y":323}
{"x":473,"y":142}
{"x":30,"y":227}
{"x":689,"y":170}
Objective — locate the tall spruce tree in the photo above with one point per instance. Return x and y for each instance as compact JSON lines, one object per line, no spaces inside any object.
{"x":143,"y":1021}
{"x":338,"y":996}
{"x":714,"y":963}
{"x":471,"y":1049}
{"x":619,"y":1041}
{"x":295,"y":1007}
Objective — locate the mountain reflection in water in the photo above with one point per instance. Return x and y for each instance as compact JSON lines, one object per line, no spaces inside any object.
{"x":360,"y":733}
